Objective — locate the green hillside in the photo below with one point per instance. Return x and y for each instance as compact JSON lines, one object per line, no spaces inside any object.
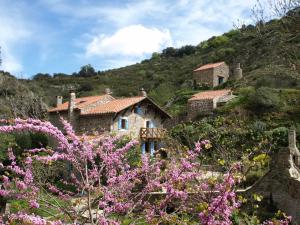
{"x":269,"y":55}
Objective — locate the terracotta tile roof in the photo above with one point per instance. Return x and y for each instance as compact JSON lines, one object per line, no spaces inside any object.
{"x":114,"y":106}
{"x":210,"y":94}
{"x":209,"y":66}
{"x":80,"y":103}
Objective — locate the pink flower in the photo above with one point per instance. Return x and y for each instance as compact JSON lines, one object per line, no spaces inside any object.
{"x":34,"y":204}
{"x":21,"y":185}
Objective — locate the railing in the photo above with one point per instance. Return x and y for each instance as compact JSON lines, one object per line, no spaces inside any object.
{"x":152,"y":133}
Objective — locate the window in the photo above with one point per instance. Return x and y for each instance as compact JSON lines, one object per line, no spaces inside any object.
{"x":148,"y":124}
{"x":147,"y":147}
{"x":123,"y":124}
{"x":138,"y":110}
{"x":221,"y":80}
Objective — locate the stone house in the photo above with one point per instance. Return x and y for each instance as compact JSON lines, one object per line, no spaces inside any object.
{"x":211,"y":75}
{"x":139,"y":117}
{"x":206,"y":101}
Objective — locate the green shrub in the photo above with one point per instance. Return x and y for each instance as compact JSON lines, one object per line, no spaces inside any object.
{"x":218,"y":41}
{"x":260,"y":100}
{"x":7,"y":140}
{"x":280,"y":136}
{"x":38,"y":140}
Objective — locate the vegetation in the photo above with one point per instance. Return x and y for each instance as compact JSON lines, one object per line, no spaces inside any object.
{"x":107,"y":190}
{"x":249,"y":129}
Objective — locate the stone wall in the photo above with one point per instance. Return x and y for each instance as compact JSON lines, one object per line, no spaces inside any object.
{"x":94,"y":124}
{"x":196,"y":107}
{"x":220,"y":71}
{"x":204,"y":77}
{"x":137,"y":121}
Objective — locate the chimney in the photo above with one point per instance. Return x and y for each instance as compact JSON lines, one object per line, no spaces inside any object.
{"x":59,"y":100}
{"x":108,"y":91}
{"x":292,"y":139}
{"x":143,"y":93}
{"x":72,"y":104}
{"x":237,"y":71}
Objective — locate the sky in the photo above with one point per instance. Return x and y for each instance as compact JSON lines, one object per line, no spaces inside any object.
{"x":52,"y":36}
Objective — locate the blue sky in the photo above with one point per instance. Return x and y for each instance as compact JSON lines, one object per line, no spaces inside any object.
{"x":52,"y":36}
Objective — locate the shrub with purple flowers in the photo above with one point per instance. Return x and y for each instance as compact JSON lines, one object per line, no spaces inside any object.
{"x":107,"y":188}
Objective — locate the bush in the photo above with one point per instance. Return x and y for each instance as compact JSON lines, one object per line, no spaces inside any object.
{"x":7,"y":140}
{"x":38,"y":140}
{"x":260,"y":100}
{"x":280,"y":136}
{"x":24,"y":141}
{"x":218,"y":41}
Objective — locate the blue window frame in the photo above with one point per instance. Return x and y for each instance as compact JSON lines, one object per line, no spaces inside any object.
{"x":123,"y":123}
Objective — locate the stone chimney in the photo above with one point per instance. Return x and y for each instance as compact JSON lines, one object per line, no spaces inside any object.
{"x":294,"y":151}
{"x":59,"y":100}
{"x":292,"y":139}
{"x":143,"y":93}
{"x":108,"y":91}
{"x":72,"y":105}
{"x":237,"y":71}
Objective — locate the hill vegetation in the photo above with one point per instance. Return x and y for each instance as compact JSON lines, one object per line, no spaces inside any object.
{"x":269,"y":55}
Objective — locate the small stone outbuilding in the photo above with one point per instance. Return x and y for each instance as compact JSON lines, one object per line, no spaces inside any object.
{"x":211,"y":75}
{"x":206,"y":101}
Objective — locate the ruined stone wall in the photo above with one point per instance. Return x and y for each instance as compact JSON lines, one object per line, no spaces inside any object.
{"x":220,"y":71}
{"x":136,"y":121}
{"x":281,"y":185}
{"x":204,"y":77}
{"x":196,"y":107}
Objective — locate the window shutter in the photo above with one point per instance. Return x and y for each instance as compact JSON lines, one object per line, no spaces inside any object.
{"x":119,"y":123}
{"x":143,"y":148}
{"x":152,"y":148}
{"x":127,"y":124}
{"x":152,"y":124}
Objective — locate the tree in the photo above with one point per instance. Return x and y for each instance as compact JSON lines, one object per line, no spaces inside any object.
{"x":169,"y":52}
{"x":87,"y":71}
{"x":41,"y":76}
{"x":105,"y":189}
{"x":266,"y":11}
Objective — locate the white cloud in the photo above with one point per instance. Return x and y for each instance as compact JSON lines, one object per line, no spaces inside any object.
{"x":13,"y":32}
{"x":134,"y":40}
{"x":9,"y":62}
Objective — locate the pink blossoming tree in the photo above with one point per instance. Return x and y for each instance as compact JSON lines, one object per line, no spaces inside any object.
{"x":105,"y":189}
